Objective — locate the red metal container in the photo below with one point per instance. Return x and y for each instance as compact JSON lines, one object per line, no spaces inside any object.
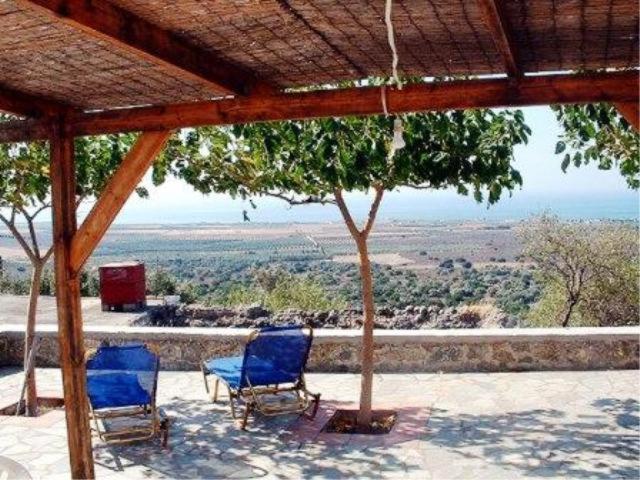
{"x":122,"y":286}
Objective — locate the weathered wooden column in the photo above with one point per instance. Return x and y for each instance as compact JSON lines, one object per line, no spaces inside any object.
{"x":63,"y":201}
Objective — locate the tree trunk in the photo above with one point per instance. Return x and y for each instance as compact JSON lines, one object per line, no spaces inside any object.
{"x":567,"y":314}
{"x":366,"y":360}
{"x":31,"y":398}
{"x":361,"y":237}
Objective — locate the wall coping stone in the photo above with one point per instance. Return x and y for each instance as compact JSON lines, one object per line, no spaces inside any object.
{"x":461,"y":336}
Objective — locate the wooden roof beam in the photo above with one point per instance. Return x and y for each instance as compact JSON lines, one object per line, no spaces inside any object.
{"x":25,"y":105}
{"x":453,"y":95}
{"x":631,"y":113}
{"x":24,"y":130}
{"x":437,"y":96}
{"x":495,"y":20}
{"x":110,"y":23}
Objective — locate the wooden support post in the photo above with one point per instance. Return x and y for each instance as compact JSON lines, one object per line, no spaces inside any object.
{"x":115,"y":194}
{"x":631,"y":112}
{"x":63,"y":201}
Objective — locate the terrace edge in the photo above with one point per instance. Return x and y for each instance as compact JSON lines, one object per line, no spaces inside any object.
{"x":401,"y":351}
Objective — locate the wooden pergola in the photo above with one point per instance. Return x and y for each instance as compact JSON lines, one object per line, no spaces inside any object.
{"x":86,"y":67}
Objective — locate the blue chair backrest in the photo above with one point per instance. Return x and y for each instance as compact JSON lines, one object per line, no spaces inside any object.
{"x":112,"y":368}
{"x":129,"y":357}
{"x":276,"y":355}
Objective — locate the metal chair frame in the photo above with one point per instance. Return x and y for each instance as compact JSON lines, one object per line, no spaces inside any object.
{"x":251,"y":395}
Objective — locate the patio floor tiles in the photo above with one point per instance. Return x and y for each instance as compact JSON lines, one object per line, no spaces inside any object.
{"x":493,"y":426}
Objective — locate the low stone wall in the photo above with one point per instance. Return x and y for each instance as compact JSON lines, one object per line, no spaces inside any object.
{"x":482,"y":350}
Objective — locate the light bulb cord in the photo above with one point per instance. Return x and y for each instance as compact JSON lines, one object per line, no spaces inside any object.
{"x":388,"y":10}
{"x":392,"y":43}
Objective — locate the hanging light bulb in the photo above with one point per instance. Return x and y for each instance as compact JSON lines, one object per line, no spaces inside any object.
{"x":204,"y":149}
{"x":398,"y":138}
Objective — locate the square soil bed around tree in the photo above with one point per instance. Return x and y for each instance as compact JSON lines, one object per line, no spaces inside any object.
{"x":44,"y":404}
{"x":345,"y":421}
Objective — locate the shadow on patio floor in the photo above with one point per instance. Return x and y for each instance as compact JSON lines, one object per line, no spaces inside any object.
{"x":205,"y":443}
{"x":545,"y":443}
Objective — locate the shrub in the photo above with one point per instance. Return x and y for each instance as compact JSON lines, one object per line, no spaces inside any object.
{"x":589,"y":271}
{"x":14,"y":286}
{"x":547,"y":312}
{"x":162,"y":283}
{"x":89,"y":284}
{"x":446,"y":264}
{"x":289,"y":292}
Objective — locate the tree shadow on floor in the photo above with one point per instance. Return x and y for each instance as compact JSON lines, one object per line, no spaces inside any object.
{"x":547,"y":442}
{"x":205,"y":442}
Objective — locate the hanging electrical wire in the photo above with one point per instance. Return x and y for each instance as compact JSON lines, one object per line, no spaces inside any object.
{"x":398,"y":129}
{"x":392,"y":43}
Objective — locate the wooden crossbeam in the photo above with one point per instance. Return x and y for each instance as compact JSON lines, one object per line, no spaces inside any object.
{"x":465,"y":94}
{"x":631,"y":112}
{"x":495,"y":20}
{"x":112,"y":24}
{"x":24,"y":130}
{"x":437,"y":96}
{"x":115,"y":195}
{"x":25,"y":105}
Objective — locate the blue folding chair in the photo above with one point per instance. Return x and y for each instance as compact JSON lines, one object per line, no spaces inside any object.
{"x":122,"y":382}
{"x":269,"y":377}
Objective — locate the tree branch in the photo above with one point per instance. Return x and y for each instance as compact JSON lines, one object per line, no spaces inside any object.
{"x":40,"y":209}
{"x":373,"y":211}
{"x":32,"y":231}
{"x":47,"y":254}
{"x":303,"y":201}
{"x":346,"y":215}
{"x":18,"y":236}
{"x":420,"y":187}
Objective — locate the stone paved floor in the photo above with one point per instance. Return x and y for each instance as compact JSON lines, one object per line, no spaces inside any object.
{"x":13,"y":309}
{"x":455,"y":426}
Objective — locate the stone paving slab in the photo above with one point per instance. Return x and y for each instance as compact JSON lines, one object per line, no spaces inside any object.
{"x":451,"y":426}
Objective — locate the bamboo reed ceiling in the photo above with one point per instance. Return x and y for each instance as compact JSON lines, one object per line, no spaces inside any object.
{"x":293,"y":43}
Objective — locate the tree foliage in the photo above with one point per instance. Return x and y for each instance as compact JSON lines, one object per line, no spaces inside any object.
{"x":25,"y":181}
{"x":598,"y":133}
{"x":469,"y":150}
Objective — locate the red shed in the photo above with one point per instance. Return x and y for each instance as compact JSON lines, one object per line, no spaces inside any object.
{"x":122,"y":286}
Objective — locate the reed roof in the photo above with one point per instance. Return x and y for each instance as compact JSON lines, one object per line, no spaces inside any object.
{"x":284,"y":44}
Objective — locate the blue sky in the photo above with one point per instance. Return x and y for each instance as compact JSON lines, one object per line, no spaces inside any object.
{"x":590,"y":191}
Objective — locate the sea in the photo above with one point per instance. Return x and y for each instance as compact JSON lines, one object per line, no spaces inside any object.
{"x":402,"y":206}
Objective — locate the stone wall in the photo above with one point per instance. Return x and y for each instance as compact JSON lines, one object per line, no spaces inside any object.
{"x":482,"y":350}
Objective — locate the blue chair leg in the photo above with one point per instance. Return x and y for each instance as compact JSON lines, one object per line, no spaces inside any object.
{"x":204,"y":376}
{"x":248,"y":408}
{"x":215,"y":390}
